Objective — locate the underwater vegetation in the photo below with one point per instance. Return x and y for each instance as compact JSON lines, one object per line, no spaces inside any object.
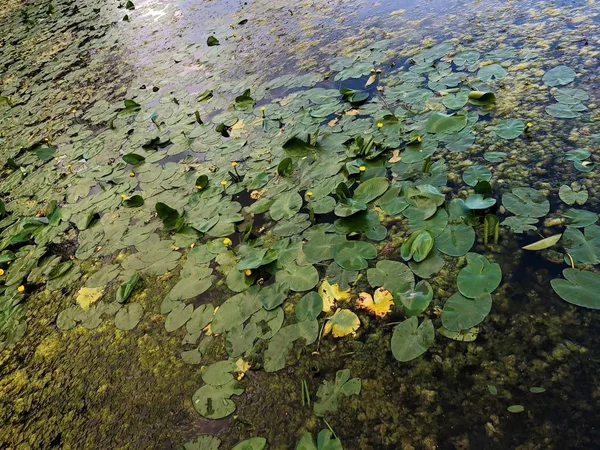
{"x":231,"y":227}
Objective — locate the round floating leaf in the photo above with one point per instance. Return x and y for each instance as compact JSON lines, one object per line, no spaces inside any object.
{"x":205,"y":442}
{"x":415,"y":301}
{"x":559,"y":76}
{"x":474,"y":174}
{"x":219,"y":373}
{"x":298,"y":278}
{"x":455,"y":101}
{"x":379,"y":304}
{"x":495,"y":157}
{"x":443,"y":123}
{"x":456,"y":239}
{"x":509,"y":128}
{"x":479,"y":276}
{"x":214,"y":402}
{"x":134,"y":159}
{"x":129,"y":316}
{"x":410,"y":340}
{"x":371,"y":189}
{"x":461,"y":313}
{"x":482,"y":98}
{"x":477,"y":201}
{"x":286,"y":206}
{"x":565,"y":111}
{"x":417,"y":246}
{"x":178,"y":317}
{"x":342,"y":323}
{"x":571,"y":96}
{"x":320,"y":246}
{"x":309,"y":307}
{"x":580,"y":287}
{"x":526,"y":202}
{"x":584,"y":248}
{"x":353,"y":255}
{"x":429,"y":266}
{"x":200,"y":318}
{"x":570,"y":197}
{"x":255,"y":443}
{"x":134,"y":201}
{"x":579,"y":218}
{"x":491,"y":72}
{"x":392,"y":275}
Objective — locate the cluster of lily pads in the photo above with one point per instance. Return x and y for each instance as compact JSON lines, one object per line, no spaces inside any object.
{"x":279,"y":198}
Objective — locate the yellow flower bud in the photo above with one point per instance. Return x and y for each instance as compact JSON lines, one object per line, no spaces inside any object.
{"x":247,"y":272}
{"x":372,"y":70}
{"x":1,"y":272}
{"x":419,"y":139}
{"x":224,"y":183}
{"x":362,"y":168}
{"x":234,"y":164}
{"x":379,"y":125}
{"x":131,"y":174}
{"x":21,"y":288}
{"x":123,"y":196}
{"x":227,"y":241}
{"x":74,"y":111}
{"x":529,"y":124}
{"x":262,"y":108}
{"x":199,"y":188}
{"x":378,"y":71}
{"x":309,"y":194}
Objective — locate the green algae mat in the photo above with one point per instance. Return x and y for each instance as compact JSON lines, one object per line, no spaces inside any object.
{"x":299,"y":226}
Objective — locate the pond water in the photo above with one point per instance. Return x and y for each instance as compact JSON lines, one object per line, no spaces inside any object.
{"x":232,"y":224}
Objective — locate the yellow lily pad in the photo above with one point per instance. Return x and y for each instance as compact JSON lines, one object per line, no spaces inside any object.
{"x":330,"y":293}
{"x":88,"y":296}
{"x":378,"y":306}
{"x":342,"y":323}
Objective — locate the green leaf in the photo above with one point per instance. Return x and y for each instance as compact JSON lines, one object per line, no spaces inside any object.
{"x":519,"y":224}
{"x":169,"y":216}
{"x":133,"y":202}
{"x":255,"y":443}
{"x":495,"y":157}
{"x":284,"y":168}
{"x":580,"y":287}
{"x":320,"y":246}
{"x":474,"y":174}
{"x":579,"y":218}
{"x":280,"y":344}
{"x":482,"y":98}
{"x":298,"y":278}
{"x":236,"y":310}
{"x":178,"y":317}
{"x":329,"y":394}
{"x":126,"y":288}
{"x":343,"y":323}
{"x":309,"y":307}
{"x":509,"y":128}
{"x":206,"y":95}
{"x":455,"y":101}
{"x":325,"y":441}
{"x":219,"y":373}
{"x":537,"y":390}
{"x":584,"y":248}
{"x":205,"y":442}
{"x":353,"y":255}
{"x":515,"y":409}
{"x":371,"y":189}
{"x":45,"y":153}
{"x":461,"y":313}
{"x":565,"y":111}
{"x":129,"y":316}
{"x":272,"y":296}
{"x":543,"y":243}
{"x":443,"y":123}
{"x":417,"y":246}
{"x":570,"y":197}
{"x":526,"y":202}
{"x":212,"y":41}
{"x":214,"y":402}
{"x":429,"y":266}
{"x":286,"y":206}
{"x":391,"y":275}
{"x":479,"y":276}
{"x":410,"y":340}
{"x":297,"y":147}
{"x":134,"y":159}
{"x":257,"y":257}
{"x":456,"y":239}
{"x":492,"y":72}
{"x":559,"y":76}
{"x":477,"y":201}
{"x":415,"y":301}
{"x":245,"y":101}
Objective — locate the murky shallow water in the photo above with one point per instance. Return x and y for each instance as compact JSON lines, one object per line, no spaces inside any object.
{"x":103,"y":387}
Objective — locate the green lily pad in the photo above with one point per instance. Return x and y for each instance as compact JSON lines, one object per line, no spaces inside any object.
{"x":353,"y":255}
{"x":255,"y":443}
{"x":371,"y":189}
{"x":479,"y":276}
{"x":214,"y":402}
{"x":326,"y":440}
{"x":330,"y":393}
{"x":126,"y":288}
{"x":478,"y":201}
{"x":416,"y":300}
{"x":570,"y":197}
{"x":474,"y":174}
{"x":129,"y":316}
{"x":492,"y":72}
{"x":309,"y":307}
{"x":417,"y":246}
{"x":526,"y":202}
{"x":509,"y":128}
{"x":391,"y":275}
{"x":410,"y":340}
{"x":580,"y":287}
{"x":443,"y":123}
{"x":583,"y":247}
{"x":206,"y":442}
{"x":559,"y":76}
{"x":456,"y":239}
{"x":461,"y":313}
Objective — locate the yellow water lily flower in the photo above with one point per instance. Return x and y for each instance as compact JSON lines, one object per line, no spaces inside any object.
{"x":1,"y":272}
{"x":362,"y":168}
{"x":309,"y":194}
{"x":529,"y":124}
{"x":247,"y":272}
{"x":262,"y":108}
{"x":379,"y":125}
{"x":224,"y":183}
{"x":124,"y":197}
{"x":131,"y":174}
{"x":199,"y":188}
{"x":419,"y":139}
{"x":21,"y":288}
{"x":234,"y":164}
{"x":74,"y":111}
{"x":227,"y":241}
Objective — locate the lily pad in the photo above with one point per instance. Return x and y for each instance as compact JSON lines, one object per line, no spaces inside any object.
{"x":509,"y":128}
{"x":580,"y":287}
{"x":461,"y":313}
{"x":330,"y":394}
{"x":129,"y":316}
{"x":343,"y":323}
{"x":410,"y":340}
{"x":559,"y":76}
{"x":479,"y":276}
{"x":353,"y":255}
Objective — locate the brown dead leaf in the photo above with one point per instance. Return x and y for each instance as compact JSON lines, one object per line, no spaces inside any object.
{"x":371,"y":80}
{"x":396,"y":157}
{"x":333,"y":122}
{"x":352,"y":112}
